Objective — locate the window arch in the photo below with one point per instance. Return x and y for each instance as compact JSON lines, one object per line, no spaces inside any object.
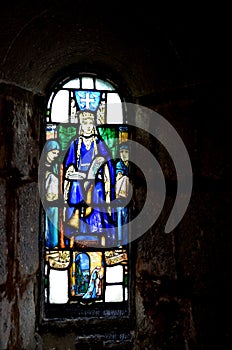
{"x":84,"y":185}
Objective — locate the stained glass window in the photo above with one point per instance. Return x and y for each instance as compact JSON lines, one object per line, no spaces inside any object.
{"x":84,"y":177}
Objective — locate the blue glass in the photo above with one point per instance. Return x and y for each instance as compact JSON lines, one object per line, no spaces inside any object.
{"x":82,"y":273}
{"x":85,"y":181}
{"x":51,"y":231}
{"x":94,"y":289}
{"x":122,"y":191}
{"x":88,"y":99}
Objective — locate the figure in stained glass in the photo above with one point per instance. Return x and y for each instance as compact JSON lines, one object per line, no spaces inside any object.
{"x":89,"y":181}
{"x":52,"y":148}
{"x":94,"y":289}
{"x":122,"y":192}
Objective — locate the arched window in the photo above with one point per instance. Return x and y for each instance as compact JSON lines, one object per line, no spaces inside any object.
{"x":84,"y":186}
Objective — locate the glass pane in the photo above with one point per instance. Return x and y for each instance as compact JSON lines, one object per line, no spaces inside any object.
{"x":88,"y":99}
{"x":114,"y":274}
{"x":51,"y":131}
{"x":87,"y":273}
{"x":114,"y":293}
{"x":87,"y":83}
{"x":58,"y":284}
{"x":58,"y":259}
{"x":75,"y":84}
{"x":60,"y":107}
{"x":103,"y":85}
{"x":80,"y":274}
{"x":114,"y":109}
{"x":126,"y":293}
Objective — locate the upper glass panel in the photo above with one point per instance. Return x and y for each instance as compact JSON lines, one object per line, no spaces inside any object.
{"x":74,"y":83}
{"x":85,"y":93}
{"x":103,"y":85}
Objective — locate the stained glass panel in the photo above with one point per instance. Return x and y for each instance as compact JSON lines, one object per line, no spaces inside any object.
{"x":85,"y":189}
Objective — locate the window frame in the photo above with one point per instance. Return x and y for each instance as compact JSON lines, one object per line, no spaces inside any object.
{"x":114,"y":310}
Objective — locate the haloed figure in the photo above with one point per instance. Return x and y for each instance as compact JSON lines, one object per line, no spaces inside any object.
{"x":52,"y":148}
{"x":88,"y":184}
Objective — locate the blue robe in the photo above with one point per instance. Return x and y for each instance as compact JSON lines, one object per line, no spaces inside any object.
{"x":122,"y":210}
{"x":96,"y":220}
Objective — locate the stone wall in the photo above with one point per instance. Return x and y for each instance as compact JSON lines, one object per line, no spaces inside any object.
{"x":182,"y":277}
{"x":19,"y":217}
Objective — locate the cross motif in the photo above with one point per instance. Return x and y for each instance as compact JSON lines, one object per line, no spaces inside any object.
{"x":87,"y":100}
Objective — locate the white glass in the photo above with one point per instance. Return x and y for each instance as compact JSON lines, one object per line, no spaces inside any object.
{"x":60,"y":107}
{"x":114,"y":274}
{"x":87,"y":83}
{"x":58,"y":287}
{"x":102,"y":85}
{"x":114,"y":109}
{"x":74,"y":84}
{"x":126,"y":293}
{"x":114,"y":293}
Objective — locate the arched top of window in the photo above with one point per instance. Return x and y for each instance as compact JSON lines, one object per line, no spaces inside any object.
{"x":85,"y":92}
